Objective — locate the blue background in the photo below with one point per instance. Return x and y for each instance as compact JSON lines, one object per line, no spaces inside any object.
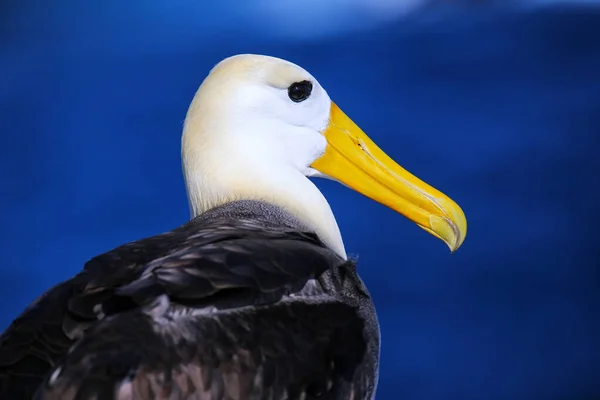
{"x":497,"y":107}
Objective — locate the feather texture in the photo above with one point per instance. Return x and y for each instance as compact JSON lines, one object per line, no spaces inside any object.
{"x":229,"y":306}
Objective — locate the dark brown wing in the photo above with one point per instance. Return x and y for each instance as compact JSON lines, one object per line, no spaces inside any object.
{"x":299,"y":350}
{"x":33,"y":343}
{"x":149,"y":316}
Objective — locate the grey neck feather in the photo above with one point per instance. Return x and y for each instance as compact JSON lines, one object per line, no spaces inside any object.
{"x":255,"y":210}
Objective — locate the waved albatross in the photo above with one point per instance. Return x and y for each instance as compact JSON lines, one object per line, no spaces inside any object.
{"x":254,"y":297}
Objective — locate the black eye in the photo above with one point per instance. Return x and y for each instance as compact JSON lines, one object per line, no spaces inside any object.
{"x":299,"y":91}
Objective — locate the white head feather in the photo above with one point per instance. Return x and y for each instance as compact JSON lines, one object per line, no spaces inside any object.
{"x":244,"y":138}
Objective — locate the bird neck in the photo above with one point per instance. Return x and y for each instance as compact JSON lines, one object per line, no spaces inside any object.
{"x":209,"y":186}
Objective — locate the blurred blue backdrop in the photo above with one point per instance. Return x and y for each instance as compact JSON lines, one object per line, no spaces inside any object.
{"x":495,"y":103}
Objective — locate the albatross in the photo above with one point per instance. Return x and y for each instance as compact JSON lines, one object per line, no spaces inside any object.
{"x":254,"y":297}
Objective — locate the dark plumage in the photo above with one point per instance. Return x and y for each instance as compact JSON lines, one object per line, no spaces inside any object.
{"x":240,"y":303}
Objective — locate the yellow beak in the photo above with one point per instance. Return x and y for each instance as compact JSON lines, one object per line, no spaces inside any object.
{"x":353,"y":159}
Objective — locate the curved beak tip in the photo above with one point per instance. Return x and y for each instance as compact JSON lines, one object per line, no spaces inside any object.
{"x":450,"y":225}
{"x":451,"y":230}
